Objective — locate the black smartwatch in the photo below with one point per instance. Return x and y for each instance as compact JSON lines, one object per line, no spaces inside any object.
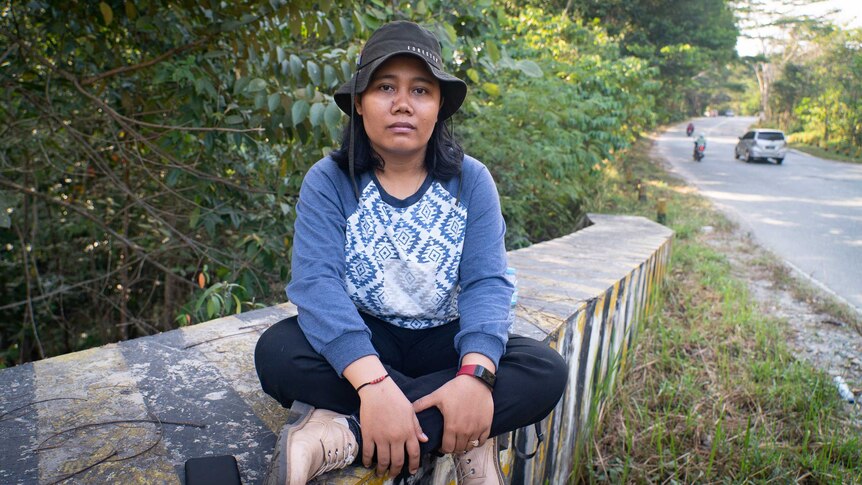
{"x":478,"y":372}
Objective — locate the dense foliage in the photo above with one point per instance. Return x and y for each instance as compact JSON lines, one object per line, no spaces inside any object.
{"x":807,"y":74}
{"x":691,"y":42}
{"x":560,"y":127}
{"x":818,"y":95}
{"x":151,"y":151}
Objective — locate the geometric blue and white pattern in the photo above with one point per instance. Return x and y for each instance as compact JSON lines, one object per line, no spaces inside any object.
{"x":402,"y":262}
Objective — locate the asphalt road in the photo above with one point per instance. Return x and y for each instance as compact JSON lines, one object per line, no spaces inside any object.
{"x":808,"y":211}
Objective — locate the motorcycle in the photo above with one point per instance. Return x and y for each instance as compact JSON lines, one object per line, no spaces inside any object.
{"x":699,"y":152}
{"x":689,"y":130}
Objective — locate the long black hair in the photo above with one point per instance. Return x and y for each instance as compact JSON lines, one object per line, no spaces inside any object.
{"x":442,"y":158}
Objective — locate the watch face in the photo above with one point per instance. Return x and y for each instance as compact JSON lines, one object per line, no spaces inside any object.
{"x":489,"y":378}
{"x":480,"y":373}
{"x":486,"y":375}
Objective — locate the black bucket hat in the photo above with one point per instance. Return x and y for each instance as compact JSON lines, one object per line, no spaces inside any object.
{"x":403,"y":37}
{"x":395,"y":38}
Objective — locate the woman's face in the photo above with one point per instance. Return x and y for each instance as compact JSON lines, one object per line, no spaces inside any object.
{"x":399,"y":108}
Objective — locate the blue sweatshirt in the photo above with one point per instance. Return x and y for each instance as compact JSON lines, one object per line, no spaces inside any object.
{"x":416,"y":263}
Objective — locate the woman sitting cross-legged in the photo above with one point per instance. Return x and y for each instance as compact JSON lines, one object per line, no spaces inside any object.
{"x":400,"y":346}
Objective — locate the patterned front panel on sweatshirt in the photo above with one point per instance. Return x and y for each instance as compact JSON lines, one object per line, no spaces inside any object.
{"x":402,"y":262}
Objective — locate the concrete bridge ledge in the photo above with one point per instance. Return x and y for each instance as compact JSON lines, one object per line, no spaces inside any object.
{"x":134,"y":411}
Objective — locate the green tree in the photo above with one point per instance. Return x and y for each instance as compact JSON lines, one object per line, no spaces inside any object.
{"x":683,"y":39}
{"x":546,"y":132}
{"x":144,"y":140}
{"x":797,"y":82}
{"x":817,"y":96}
{"x":781,"y":32}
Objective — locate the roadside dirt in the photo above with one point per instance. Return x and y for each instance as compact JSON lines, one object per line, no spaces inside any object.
{"x":815,"y":336}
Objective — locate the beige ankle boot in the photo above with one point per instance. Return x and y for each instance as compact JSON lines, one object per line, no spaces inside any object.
{"x":479,"y":466}
{"x":320,"y":441}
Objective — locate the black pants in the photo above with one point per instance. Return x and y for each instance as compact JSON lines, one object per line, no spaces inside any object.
{"x":530,"y":378}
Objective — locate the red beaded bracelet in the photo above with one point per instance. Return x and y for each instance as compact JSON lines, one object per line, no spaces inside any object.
{"x":375,"y":381}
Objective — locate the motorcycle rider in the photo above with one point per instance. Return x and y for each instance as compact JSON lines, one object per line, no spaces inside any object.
{"x":689,"y":129}
{"x":700,"y":142}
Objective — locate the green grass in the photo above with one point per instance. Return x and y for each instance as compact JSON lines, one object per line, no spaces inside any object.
{"x":848,"y":155}
{"x":714,"y":395}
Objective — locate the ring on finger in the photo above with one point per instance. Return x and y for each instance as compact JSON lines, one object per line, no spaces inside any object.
{"x":474,"y":443}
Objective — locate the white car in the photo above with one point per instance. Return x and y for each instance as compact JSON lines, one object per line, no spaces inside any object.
{"x":761,"y":144}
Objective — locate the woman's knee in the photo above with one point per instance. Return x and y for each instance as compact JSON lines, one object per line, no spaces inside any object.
{"x":272,"y":344}
{"x":289,"y":368}
{"x":558,"y":372}
{"x":274,"y":353}
{"x":548,"y":371}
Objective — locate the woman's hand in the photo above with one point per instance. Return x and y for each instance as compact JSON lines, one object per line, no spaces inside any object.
{"x":467,"y":407}
{"x":389,"y":424}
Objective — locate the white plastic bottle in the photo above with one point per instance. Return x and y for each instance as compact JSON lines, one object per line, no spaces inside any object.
{"x":512,"y":276}
{"x":843,"y":390}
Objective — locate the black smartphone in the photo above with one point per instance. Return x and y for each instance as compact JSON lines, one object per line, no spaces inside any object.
{"x":212,"y":470}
